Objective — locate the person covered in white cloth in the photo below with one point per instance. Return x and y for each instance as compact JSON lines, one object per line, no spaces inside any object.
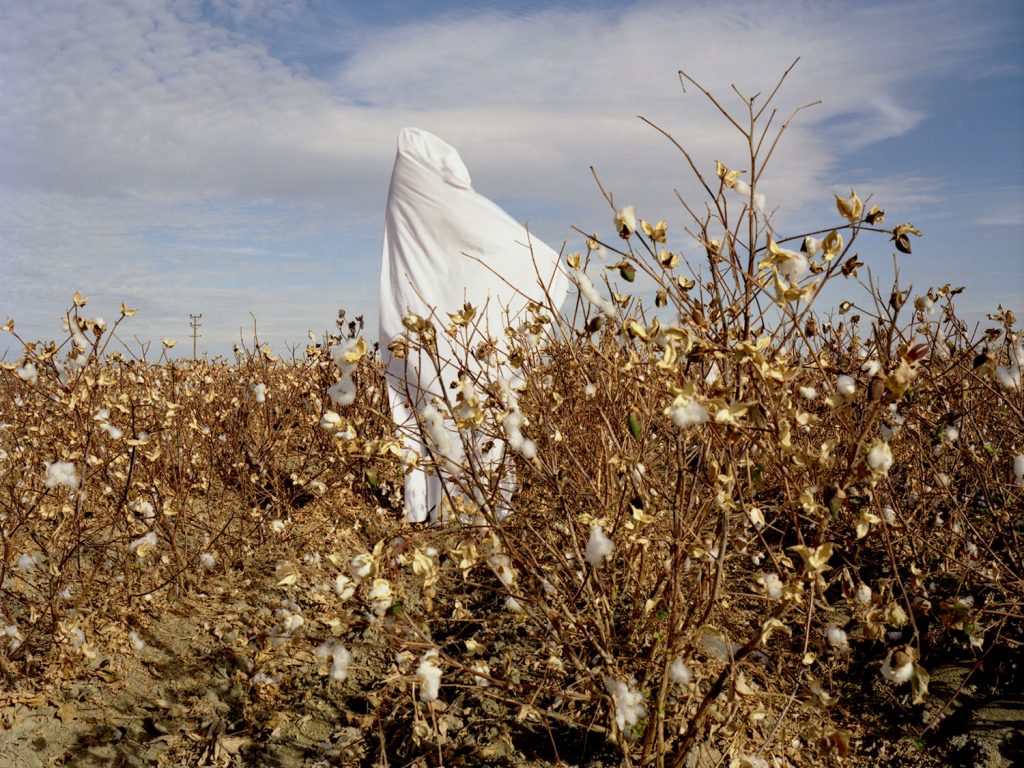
{"x":446,"y":245}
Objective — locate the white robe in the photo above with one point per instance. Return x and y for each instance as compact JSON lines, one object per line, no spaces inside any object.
{"x":435,"y":228}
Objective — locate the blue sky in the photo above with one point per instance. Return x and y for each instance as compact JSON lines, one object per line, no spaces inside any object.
{"x":231,"y":156}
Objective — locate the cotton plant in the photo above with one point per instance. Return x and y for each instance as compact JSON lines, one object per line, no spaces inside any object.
{"x":428,"y":675}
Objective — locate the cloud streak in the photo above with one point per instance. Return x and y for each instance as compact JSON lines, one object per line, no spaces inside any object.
{"x":186,"y":157}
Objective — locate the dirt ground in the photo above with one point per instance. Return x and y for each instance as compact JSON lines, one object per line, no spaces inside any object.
{"x":193,"y":694}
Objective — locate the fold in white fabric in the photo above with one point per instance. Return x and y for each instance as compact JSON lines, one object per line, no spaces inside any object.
{"x":445,"y":245}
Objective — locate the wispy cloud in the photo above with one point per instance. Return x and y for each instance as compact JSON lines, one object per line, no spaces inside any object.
{"x":237,"y":153}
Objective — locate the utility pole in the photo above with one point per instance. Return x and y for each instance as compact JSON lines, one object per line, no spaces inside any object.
{"x":194,"y":319}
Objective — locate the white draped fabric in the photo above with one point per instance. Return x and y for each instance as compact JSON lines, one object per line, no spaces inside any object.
{"x":444,"y":245}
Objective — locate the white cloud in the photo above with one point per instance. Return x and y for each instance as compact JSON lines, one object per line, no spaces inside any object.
{"x":145,"y":144}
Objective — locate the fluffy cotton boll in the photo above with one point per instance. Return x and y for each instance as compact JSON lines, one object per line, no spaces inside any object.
{"x":812,"y":246}
{"x":61,"y":473}
{"x":143,"y":544}
{"x":528,"y":450}
{"x":208,"y":560}
{"x":590,"y":294}
{"x":679,"y":673}
{"x":687,"y":413}
{"x":136,"y":641}
{"x":599,"y":547}
{"x":361,"y":565}
{"x":277,"y":526}
{"x":27,"y":562}
{"x":113,"y":432}
{"x":344,"y":587}
{"x":760,"y":202}
{"x":879,"y":457}
{"x":630,"y":709}
{"x":625,"y":221}
{"x":794,"y":267}
{"x":433,"y":425}
{"x":512,"y":605}
{"x":898,"y":667}
{"x":27,"y":373}
{"x":846,"y":386}
{"x":1009,"y":377}
{"x":773,"y":586}
{"x":808,"y":393}
{"x":380,"y":596}
{"x":259,"y":393}
{"x":741,"y":188}
{"x":590,"y":390}
{"x":340,"y":659}
{"x":330,"y":421}
{"x":871,"y":367}
{"x":837,"y":639}
{"x":428,"y":675}
{"x":889,"y":515}
{"x":343,"y":392}
{"x":1018,"y":468}
{"x":12,"y":635}
{"x":950,"y":434}
{"x":502,"y":566}
{"x":863,"y":594}
{"x":713,"y":375}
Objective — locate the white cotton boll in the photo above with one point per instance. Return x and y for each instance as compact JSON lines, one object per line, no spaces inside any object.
{"x":812,"y":246}
{"x":900,"y":669}
{"x":208,"y":560}
{"x":512,"y":605}
{"x":950,"y":434}
{"x":871,"y":367}
{"x":361,"y":565}
{"x":277,"y":526}
{"x":344,"y":587}
{"x":760,"y":202}
{"x":339,"y":656}
{"x":27,"y":562}
{"x":590,"y":294}
{"x":136,"y":641}
{"x":687,"y":413}
{"x":863,"y":594}
{"x":433,"y":425}
{"x":808,"y":393}
{"x":262,"y":679}
{"x":428,"y":674}
{"x":599,"y":546}
{"x":590,"y":390}
{"x":143,"y":543}
{"x":773,"y":586}
{"x":343,"y":392}
{"x":679,"y":673}
{"x":27,"y":373}
{"x":502,"y":566}
{"x":889,"y":515}
{"x":630,"y":709}
{"x":741,"y":188}
{"x":481,"y":671}
{"x":837,"y":638}
{"x":330,"y":421}
{"x":794,"y":266}
{"x":713,"y":375}
{"x":1018,"y":468}
{"x":879,"y":457}
{"x":1009,"y":377}
{"x":380,"y":596}
{"x":528,"y":450}
{"x":846,"y":385}
{"x":12,"y":635}
{"x":113,"y":432}
{"x":61,"y":473}
{"x":259,"y":393}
